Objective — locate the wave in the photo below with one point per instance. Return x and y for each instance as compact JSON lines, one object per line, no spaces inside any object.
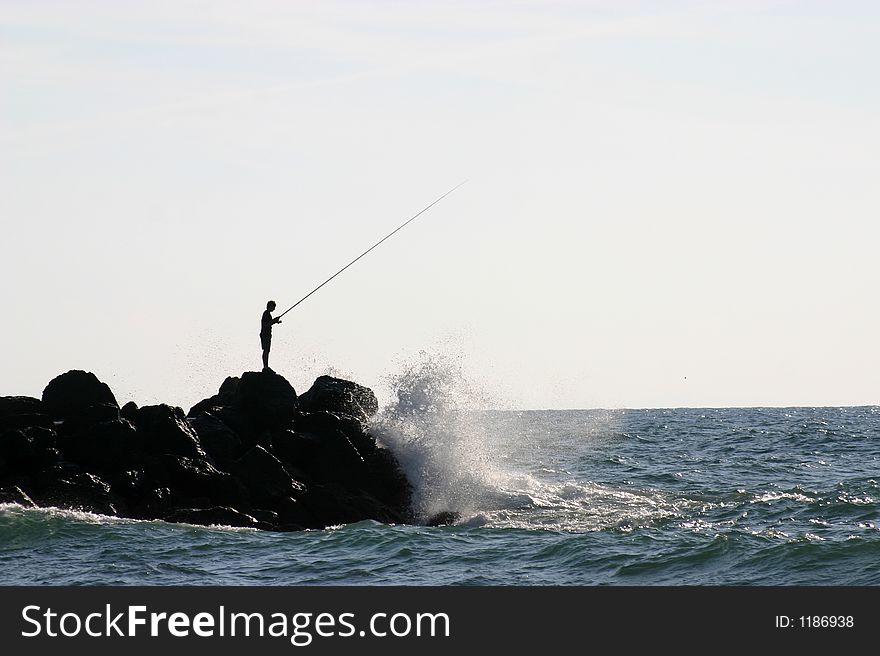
{"x":434,"y":427}
{"x":22,"y":523}
{"x":464,"y":458}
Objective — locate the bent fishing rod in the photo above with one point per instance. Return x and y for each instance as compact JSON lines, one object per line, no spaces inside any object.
{"x":390,"y":234}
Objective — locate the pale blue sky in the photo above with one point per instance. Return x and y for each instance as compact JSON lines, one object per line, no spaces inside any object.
{"x":669,"y":203}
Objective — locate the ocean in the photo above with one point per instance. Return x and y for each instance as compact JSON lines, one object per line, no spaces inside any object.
{"x":735,"y":496}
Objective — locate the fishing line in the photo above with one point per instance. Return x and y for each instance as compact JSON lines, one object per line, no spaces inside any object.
{"x":390,"y":234}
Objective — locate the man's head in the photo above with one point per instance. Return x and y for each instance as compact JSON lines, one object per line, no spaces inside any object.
{"x":270,"y":306}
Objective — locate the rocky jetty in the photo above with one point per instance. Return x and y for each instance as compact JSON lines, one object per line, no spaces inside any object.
{"x":253,"y":455}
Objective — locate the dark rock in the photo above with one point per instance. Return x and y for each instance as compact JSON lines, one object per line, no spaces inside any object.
{"x":27,"y":451}
{"x":216,"y":438}
{"x":386,"y":481}
{"x":294,"y":449}
{"x":70,"y":392}
{"x":196,"y":502}
{"x":211,"y":404}
{"x":341,"y":397}
{"x":214,"y":516}
{"x":380,"y":474}
{"x":14,"y":494}
{"x":266,"y":399}
{"x":224,"y":397}
{"x":65,"y":467}
{"x":145,"y":495}
{"x":88,"y":416}
{"x":61,"y":488}
{"x":444,"y":518}
{"x":293,"y":515}
{"x":130,"y":483}
{"x":45,"y":455}
{"x":164,"y":430}
{"x":129,"y":411}
{"x":239,"y":424}
{"x":23,"y":481}
{"x":322,"y":506}
{"x":19,"y":422}
{"x":325,"y":422}
{"x":340,"y":459}
{"x":44,"y":438}
{"x":267,"y":518}
{"x":265,"y":478}
{"x":191,"y":478}
{"x":16,"y":451}
{"x":228,"y":389}
{"x":331,"y":505}
{"x":20,"y":405}
{"x":151,"y":501}
{"x":108,"y":446}
{"x":247,"y":456}
{"x":327,"y":457}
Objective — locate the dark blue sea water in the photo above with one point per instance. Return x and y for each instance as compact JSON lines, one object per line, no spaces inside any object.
{"x":754,"y":496}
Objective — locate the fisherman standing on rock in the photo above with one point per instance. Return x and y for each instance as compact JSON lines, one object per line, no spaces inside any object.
{"x":266,"y":333}
{"x":268,"y":321}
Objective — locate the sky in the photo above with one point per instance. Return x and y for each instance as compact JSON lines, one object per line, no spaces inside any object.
{"x":667,"y":203}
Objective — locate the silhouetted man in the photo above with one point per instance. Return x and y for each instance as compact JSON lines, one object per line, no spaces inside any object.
{"x":266,"y":333}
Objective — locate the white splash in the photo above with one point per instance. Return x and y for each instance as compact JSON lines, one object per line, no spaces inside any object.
{"x":500,"y":469}
{"x":435,"y":427}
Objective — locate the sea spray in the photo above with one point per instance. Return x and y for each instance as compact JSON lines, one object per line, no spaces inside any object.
{"x":494,"y":468}
{"x":435,"y":426}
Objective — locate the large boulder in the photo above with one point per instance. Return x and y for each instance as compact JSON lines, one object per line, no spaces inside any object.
{"x":129,"y":411}
{"x":70,"y":392}
{"x":292,"y":515}
{"x":164,"y":430}
{"x":317,"y":447}
{"x":341,"y":397}
{"x":63,"y":487}
{"x":192,"y":478}
{"x":325,"y":423}
{"x":23,"y":422}
{"x":128,"y":483}
{"x":27,"y":451}
{"x":237,"y":421}
{"x":16,"y":453}
{"x":267,"y":399}
{"x":85,"y":417}
{"x":387,"y":482}
{"x":20,"y":405}
{"x":22,"y":413}
{"x":216,"y":438}
{"x":106,"y":446}
{"x":147,"y":498}
{"x":265,"y":478}
{"x":321,"y":458}
{"x":224,"y":397}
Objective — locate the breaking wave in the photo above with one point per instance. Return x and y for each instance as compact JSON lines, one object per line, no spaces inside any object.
{"x":499,"y":469}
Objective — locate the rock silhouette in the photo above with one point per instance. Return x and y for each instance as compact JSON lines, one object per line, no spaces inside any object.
{"x":252,"y":455}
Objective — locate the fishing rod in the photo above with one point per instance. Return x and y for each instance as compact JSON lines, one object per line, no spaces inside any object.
{"x":390,"y":234}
